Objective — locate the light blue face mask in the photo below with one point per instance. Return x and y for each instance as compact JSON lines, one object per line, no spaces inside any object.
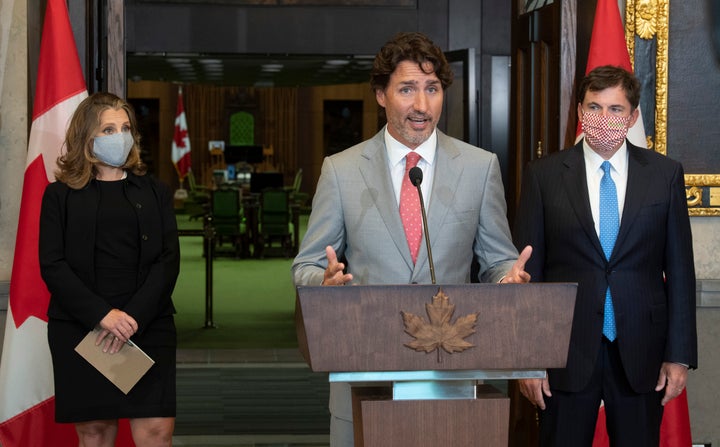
{"x":113,"y":149}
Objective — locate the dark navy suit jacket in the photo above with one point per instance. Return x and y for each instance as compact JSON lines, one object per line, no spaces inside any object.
{"x":650,"y":272}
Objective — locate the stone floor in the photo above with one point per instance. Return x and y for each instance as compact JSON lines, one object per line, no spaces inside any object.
{"x":252,"y":441}
{"x":244,"y":398}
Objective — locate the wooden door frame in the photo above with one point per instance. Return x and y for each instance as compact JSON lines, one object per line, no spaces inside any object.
{"x":558,"y":132}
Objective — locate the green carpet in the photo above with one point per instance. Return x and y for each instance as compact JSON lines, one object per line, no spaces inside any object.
{"x":253,"y":299}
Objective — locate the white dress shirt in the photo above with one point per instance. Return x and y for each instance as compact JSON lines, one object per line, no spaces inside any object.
{"x":396,"y":158}
{"x":594,"y":173}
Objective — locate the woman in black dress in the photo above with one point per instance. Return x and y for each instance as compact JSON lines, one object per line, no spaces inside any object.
{"x":110,"y":257}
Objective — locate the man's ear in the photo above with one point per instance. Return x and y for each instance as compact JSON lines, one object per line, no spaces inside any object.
{"x":580,"y":112}
{"x":380,"y":97}
{"x":633,"y":117}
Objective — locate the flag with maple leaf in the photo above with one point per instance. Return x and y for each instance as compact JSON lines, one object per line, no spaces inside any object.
{"x":181,"y":141}
{"x":27,"y":406}
{"x":27,"y":402}
{"x":439,"y":332}
{"x":674,"y":429}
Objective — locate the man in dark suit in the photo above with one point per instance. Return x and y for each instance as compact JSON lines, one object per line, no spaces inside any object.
{"x":621,"y":231}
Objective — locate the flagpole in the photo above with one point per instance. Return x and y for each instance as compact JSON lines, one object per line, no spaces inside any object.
{"x":181,"y":150}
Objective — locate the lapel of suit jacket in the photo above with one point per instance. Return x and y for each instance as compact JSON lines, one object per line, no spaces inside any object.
{"x":575,"y":182}
{"x":637,"y":186}
{"x":376,"y":174}
{"x":446,"y":179}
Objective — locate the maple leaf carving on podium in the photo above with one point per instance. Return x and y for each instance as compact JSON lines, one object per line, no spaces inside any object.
{"x":439,"y":331}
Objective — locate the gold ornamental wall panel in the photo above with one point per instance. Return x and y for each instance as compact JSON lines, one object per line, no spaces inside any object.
{"x":675,"y":51}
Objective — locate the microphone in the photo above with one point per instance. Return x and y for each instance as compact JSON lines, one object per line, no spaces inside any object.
{"x":416,"y":177}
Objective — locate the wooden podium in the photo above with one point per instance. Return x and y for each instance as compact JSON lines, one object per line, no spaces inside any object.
{"x":414,"y":354}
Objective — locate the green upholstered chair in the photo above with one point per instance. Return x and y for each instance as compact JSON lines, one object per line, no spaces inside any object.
{"x":227,"y":219}
{"x":275,"y":222}
{"x":197,"y":203}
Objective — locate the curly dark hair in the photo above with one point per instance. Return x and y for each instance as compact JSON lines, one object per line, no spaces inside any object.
{"x":607,"y":76}
{"x":415,"y":47}
{"x":77,"y":164}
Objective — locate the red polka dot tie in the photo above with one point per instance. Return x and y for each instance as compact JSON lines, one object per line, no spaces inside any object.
{"x":410,"y":208}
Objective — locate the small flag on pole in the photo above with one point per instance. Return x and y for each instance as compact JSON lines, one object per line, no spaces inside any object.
{"x":181,"y":142}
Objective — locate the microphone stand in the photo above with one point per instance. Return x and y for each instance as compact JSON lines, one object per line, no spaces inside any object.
{"x":417,"y":180}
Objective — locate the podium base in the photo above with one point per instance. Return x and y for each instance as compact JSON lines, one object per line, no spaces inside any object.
{"x":381,"y":421}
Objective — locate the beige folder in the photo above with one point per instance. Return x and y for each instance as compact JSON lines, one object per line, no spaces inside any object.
{"x":124,"y":368}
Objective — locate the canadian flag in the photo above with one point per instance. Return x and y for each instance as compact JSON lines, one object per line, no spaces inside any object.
{"x":181,"y":141}
{"x":608,"y":47}
{"x":674,"y":429}
{"x":27,"y":406}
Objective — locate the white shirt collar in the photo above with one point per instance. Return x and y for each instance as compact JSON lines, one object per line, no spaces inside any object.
{"x":618,"y":161}
{"x":397,"y":151}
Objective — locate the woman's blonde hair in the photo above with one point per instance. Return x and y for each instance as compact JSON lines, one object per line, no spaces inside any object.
{"x":77,"y":165}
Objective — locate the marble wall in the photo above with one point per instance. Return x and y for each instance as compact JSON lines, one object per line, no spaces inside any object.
{"x":703,"y":387}
{"x":13,"y":123}
{"x":706,"y":246}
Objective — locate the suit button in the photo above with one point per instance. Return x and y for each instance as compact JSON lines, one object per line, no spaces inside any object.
{"x":138,"y":205}
{"x":144,"y":237}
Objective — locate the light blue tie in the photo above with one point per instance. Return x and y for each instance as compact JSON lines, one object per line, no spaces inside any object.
{"x":609,"y":224}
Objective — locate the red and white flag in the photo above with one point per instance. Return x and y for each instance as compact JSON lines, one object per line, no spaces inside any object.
{"x":27,"y":405}
{"x":674,"y":429}
{"x":181,"y":141}
{"x":608,"y":47}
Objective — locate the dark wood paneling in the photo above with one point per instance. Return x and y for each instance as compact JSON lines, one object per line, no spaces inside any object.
{"x":544,"y":67}
{"x":431,"y":423}
{"x":114,"y":81}
{"x":361,"y":328}
{"x":277,"y":3}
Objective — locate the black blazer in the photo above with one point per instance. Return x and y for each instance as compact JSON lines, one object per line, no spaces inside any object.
{"x":67,"y":247}
{"x":650,"y":272}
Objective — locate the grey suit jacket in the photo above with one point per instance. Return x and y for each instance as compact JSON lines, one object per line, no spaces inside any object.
{"x":355,"y":211}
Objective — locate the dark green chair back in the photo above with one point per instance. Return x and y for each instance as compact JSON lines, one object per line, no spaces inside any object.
{"x":275,"y":218}
{"x":227,"y":217}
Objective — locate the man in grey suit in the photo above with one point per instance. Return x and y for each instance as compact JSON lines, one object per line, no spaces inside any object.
{"x":355,"y":211}
{"x":633,"y":336}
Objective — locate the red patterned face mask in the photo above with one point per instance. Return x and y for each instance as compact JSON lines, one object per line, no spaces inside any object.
{"x":605,"y":132}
